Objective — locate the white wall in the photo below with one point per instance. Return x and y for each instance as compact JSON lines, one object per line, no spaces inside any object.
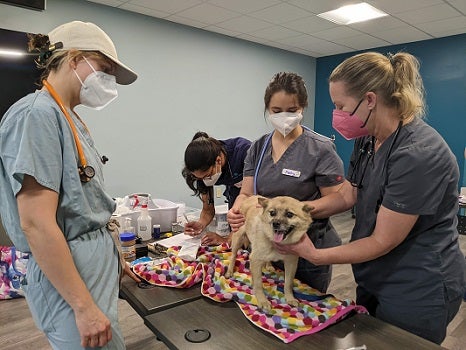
{"x":189,"y":80}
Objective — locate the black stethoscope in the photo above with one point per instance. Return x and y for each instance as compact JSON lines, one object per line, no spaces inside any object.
{"x":86,"y":172}
{"x":368,"y":148}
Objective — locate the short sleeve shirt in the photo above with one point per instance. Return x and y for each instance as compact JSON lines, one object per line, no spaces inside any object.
{"x":232,"y":172}
{"x":309,"y":162}
{"x":420,"y":177}
{"x":36,"y":140}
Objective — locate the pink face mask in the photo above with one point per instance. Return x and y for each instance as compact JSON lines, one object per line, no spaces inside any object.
{"x":348,"y":125}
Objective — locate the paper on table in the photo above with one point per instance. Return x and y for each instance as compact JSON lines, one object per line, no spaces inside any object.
{"x":189,"y":245}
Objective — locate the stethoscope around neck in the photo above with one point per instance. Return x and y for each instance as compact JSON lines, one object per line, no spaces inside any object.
{"x":86,"y":172}
{"x":264,"y":147}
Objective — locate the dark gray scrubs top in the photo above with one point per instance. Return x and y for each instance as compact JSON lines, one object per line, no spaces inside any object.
{"x":309,"y":162}
{"x":421,"y":178}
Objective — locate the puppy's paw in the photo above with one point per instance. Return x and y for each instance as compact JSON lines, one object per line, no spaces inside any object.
{"x":291,"y":301}
{"x":263,"y":303}
{"x":269,"y":267}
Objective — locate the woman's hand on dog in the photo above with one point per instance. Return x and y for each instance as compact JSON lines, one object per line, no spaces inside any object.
{"x":304,"y":248}
{"x":235,"y":219}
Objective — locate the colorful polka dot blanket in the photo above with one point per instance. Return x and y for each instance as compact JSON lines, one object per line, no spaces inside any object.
{"x":315,"y":311}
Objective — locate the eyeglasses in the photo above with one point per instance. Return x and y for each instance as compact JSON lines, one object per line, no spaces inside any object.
{"x":365,"y":155}
{"x":207,"y":174}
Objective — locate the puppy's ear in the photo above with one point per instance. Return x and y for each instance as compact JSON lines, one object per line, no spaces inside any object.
{"x":262,"y":201}
{"x":307,"y":208}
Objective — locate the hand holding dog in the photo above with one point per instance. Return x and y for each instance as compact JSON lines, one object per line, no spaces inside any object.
{"x":304,"y":248}
{"x":235,"y":219}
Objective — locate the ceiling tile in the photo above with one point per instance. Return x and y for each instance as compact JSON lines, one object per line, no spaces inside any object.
{"x":281,"y":13}
{"x":309,"y":25}
{"x":244,"y":24}
{"x":378,"y":24}
{"x":186,"y":21}
{"x":399,"y":6}
{"x":336,"y":33}
{"x":309,"y":42}
{"x":444,"y":27}
{"x":361,"y":42}
{"x":208,"y":13}
{"x":275,"y":33}
{"x":427,"y":14}
{"x":460,"y":5}
{"x":114,"y":3}
{"x":244,"y":6}
{"x":321,"y":6}
{"x":222,"y":31}
{"x":252,"y":38}
{"x":145,"y":10}
{"x":166,"y":5}
{"x":402,"y":35}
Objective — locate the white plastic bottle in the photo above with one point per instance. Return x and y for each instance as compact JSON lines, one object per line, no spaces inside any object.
{"x":144,"y":223}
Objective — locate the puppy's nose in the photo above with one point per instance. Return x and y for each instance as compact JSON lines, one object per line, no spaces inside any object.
{"x":276,"y":225}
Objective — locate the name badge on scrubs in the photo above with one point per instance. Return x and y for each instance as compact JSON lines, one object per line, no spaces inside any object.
{"x":293,"y":173}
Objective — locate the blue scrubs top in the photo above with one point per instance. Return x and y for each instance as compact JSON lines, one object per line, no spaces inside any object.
{"x":36,"y":140}
{"x":232,"y":172}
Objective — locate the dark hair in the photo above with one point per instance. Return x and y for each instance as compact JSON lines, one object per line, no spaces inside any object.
{"x":200,"y":154}
{"x":291,"y":83}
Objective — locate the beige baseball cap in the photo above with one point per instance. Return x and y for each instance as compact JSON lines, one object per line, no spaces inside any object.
{"x":87,"y":36}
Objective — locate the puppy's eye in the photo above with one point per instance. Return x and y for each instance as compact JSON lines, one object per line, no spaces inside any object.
{"x":272,"y":213}
{"x":289,"y":214}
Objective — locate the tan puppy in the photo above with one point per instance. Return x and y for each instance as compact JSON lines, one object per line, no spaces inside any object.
{"x":280,"y":219}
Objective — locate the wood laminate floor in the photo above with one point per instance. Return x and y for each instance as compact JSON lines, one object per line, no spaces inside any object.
{"x":17,"y":329}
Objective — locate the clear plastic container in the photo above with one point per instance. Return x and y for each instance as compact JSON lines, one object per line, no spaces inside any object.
{"x":144,"y":224}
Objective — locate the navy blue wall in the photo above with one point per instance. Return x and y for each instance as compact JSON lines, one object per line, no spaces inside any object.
{"x":443,"y":68}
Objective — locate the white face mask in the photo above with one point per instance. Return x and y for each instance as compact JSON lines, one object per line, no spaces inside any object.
{"x":285,"y":122}
{"x":212,"y":180}
{"x":98,"y":89}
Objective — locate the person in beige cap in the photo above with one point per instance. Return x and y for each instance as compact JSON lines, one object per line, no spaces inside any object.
{"x":54,"y":204}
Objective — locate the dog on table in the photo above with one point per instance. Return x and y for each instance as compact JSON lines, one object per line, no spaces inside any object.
{"x":281,"y":219}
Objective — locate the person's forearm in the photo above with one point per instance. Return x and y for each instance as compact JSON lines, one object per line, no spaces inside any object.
{"x":206,"y":218}
{"x":50,"y":250}
{"x":355,"y":252}
{"x":241,"y":197}
{"x":329,"y":205}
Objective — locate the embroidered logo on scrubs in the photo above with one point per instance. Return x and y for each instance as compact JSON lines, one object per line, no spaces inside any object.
{"x":293,"y":173}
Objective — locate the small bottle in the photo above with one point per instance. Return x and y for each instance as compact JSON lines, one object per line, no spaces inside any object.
{"x":144,"y":223}
{"x":156,"y":231}
{"x":128,"y":226}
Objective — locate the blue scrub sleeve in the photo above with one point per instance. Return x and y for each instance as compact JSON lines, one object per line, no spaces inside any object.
{"x":33,"y":147}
